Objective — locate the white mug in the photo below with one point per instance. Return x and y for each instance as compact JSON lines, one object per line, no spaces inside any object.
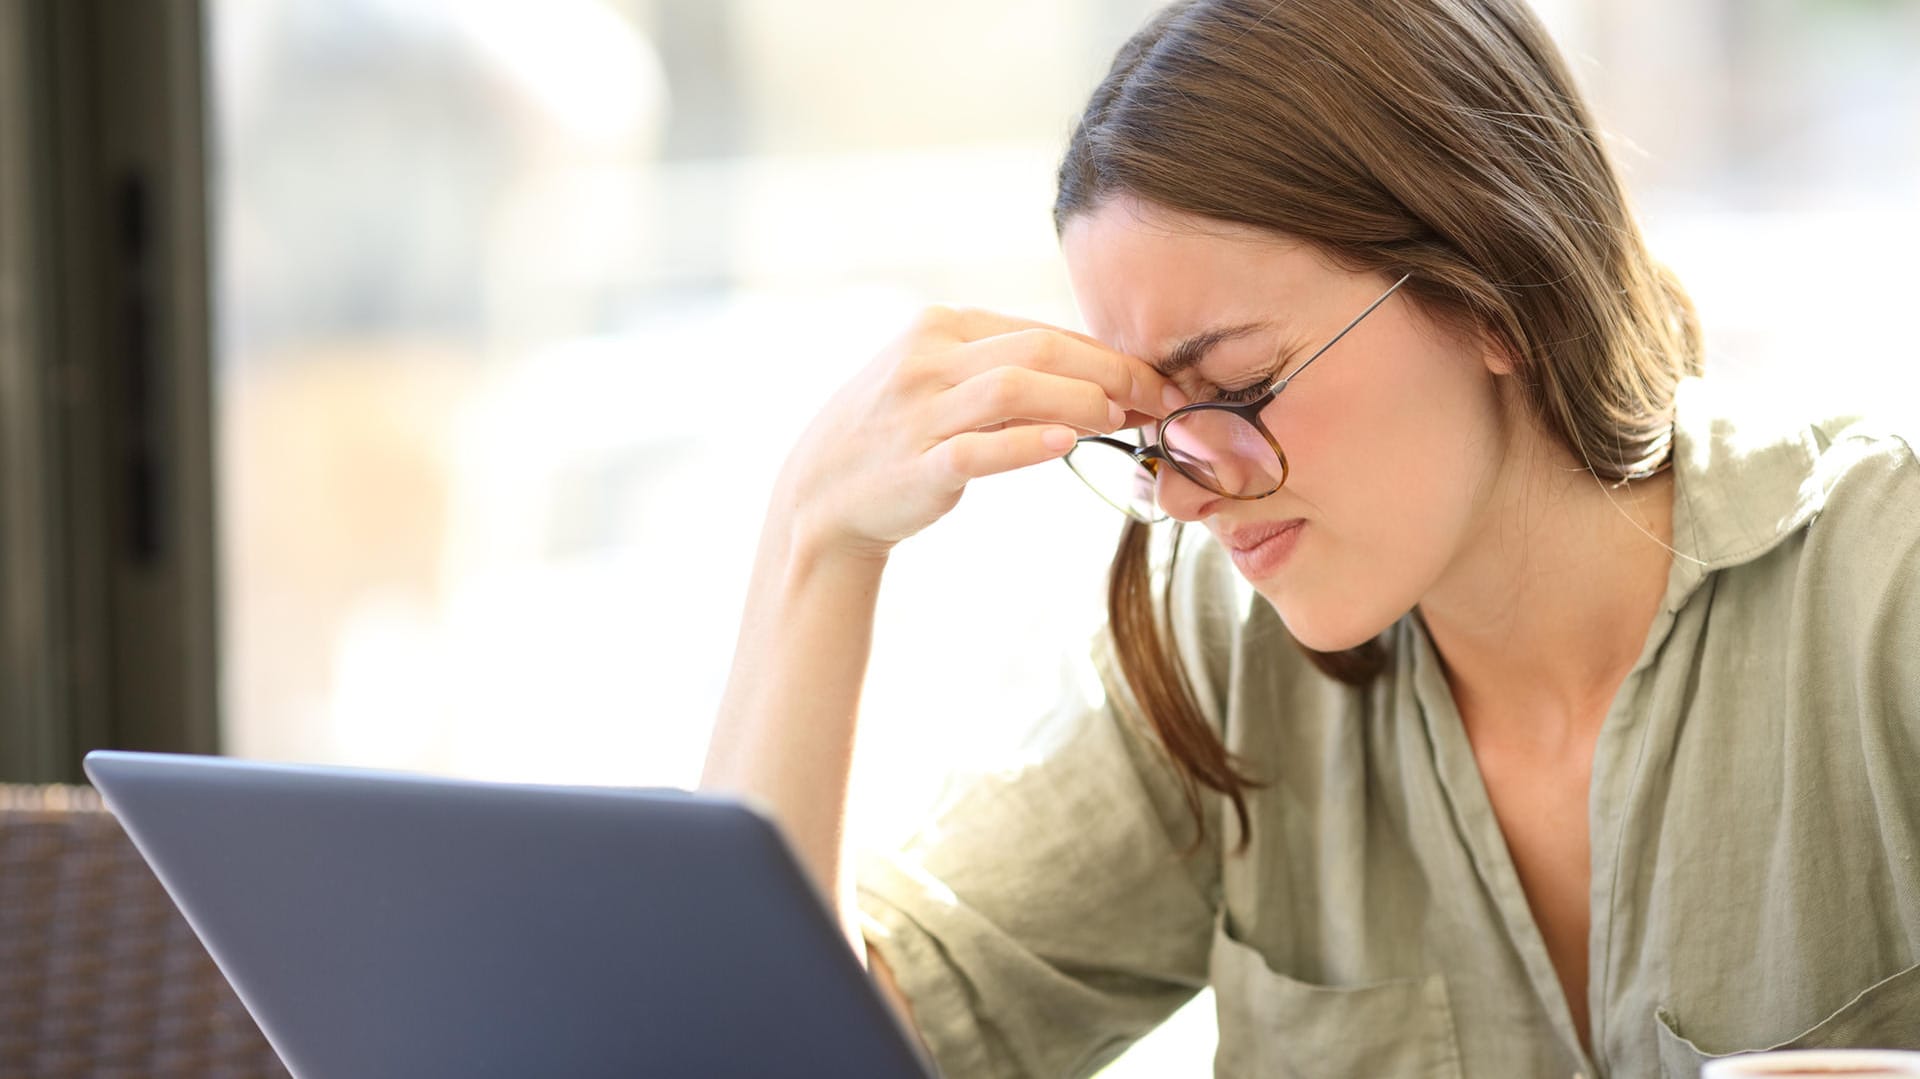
{"x":1859,"y":1063}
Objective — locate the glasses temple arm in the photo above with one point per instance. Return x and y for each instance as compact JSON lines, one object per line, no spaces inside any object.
{"x":1391,"y":289}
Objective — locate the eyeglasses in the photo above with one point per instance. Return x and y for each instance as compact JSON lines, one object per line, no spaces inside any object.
{"x":1222,"y":446}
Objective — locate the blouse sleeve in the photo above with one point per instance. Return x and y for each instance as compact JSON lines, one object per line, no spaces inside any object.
{"x":1054,"y":912}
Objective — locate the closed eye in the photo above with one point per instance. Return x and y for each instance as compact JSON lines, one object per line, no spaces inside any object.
{"x":1241,"y":396}
{"x":1262,"y":381}
{"x":1252,"y":391}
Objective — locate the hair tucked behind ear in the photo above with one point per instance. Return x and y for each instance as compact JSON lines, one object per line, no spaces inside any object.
{"x":1439,"y":137}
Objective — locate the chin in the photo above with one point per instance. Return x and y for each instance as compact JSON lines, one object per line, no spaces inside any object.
{"x":1331,"y":627}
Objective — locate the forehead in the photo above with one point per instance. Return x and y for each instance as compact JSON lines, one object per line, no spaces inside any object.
{"x":1146,"y":277}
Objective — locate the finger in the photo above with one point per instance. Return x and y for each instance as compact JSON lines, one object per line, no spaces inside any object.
{"x":1125,"y":379}
{"x":1003,"y":395}
{"x":978,"y":324}
{"x":972,"y":454}
{"x":1134,"y":421}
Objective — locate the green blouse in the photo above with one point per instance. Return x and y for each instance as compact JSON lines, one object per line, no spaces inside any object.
{"x":1754,"y":816}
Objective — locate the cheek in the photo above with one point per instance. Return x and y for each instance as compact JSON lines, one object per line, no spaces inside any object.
{"x":1400,"y":440}
{"x":1423,"y":422}
{"x":1392,"y":480}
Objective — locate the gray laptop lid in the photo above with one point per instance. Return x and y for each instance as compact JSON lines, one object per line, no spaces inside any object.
{"x":378,"y":924}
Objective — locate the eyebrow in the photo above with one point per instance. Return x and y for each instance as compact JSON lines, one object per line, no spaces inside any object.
{"x":1194,"y":349}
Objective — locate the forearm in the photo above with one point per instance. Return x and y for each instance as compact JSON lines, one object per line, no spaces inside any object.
{"x":962,"y":395}
{"x":786,"y":727}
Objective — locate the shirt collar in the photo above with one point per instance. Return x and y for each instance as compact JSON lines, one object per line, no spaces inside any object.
{"x":1741,"y":487}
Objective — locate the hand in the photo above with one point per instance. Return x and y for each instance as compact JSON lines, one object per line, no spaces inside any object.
{"x":963,"y":394}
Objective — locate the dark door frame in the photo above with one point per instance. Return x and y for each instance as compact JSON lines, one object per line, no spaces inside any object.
{"x":108,"y":603}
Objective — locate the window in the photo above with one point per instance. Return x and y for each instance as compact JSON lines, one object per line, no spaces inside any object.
{"x":477,"y":260}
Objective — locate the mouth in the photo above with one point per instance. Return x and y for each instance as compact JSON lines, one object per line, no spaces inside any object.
{"x":1258,"y":550}
{"x":1252,"y":536}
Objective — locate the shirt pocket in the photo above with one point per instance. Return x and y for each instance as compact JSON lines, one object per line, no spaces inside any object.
{"x":1275,"y":1025}
{"x":1885,"y":1015}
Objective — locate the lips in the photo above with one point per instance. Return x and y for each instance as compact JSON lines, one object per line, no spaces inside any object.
{"x":1259,"y":551}
{"x":1246,"y":539}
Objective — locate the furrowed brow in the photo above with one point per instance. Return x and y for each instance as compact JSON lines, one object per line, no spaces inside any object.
{"x":1194,"y":349}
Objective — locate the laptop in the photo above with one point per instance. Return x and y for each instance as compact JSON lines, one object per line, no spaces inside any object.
{"x":378,"y":924}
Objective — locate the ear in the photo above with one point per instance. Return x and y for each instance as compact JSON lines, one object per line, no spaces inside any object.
{"x":1496,"y":357}
{"x":1474,"y":339}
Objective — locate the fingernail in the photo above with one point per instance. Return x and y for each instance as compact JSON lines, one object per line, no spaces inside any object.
{"x":1173,"y":398}
{"x":1115,"y":415}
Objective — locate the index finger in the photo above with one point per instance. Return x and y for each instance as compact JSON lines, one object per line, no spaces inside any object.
{"x":1128,"y":380}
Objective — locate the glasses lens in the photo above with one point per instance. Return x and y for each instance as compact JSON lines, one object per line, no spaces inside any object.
{"x":1115,"y":476}
{"x":1219,"y":450}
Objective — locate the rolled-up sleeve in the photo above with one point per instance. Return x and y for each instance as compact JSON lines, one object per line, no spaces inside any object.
{"x":1054,"y":912}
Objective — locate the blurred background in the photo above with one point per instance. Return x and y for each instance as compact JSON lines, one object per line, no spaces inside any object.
{"x":516,"y":307}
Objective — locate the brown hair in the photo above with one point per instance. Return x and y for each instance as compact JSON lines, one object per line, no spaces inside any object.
{"x":1444,"y":138}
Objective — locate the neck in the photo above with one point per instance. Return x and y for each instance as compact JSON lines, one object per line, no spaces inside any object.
{"x":1547,"y":607}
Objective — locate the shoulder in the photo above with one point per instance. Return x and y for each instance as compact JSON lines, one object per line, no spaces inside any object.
{"x":1863,"y":540}
{"x":1754,"y":478}
{"x":1811,"y":529}
{"x":1867,"y":473}
{"x":1855,"y":571}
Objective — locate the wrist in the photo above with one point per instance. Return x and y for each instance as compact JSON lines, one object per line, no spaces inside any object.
{"x":802,"y":548}
{"x":807,"y":538}
{"x":815,"y":547}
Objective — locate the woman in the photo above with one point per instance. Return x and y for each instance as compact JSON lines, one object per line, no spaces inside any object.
{"x":1574,"y":726}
